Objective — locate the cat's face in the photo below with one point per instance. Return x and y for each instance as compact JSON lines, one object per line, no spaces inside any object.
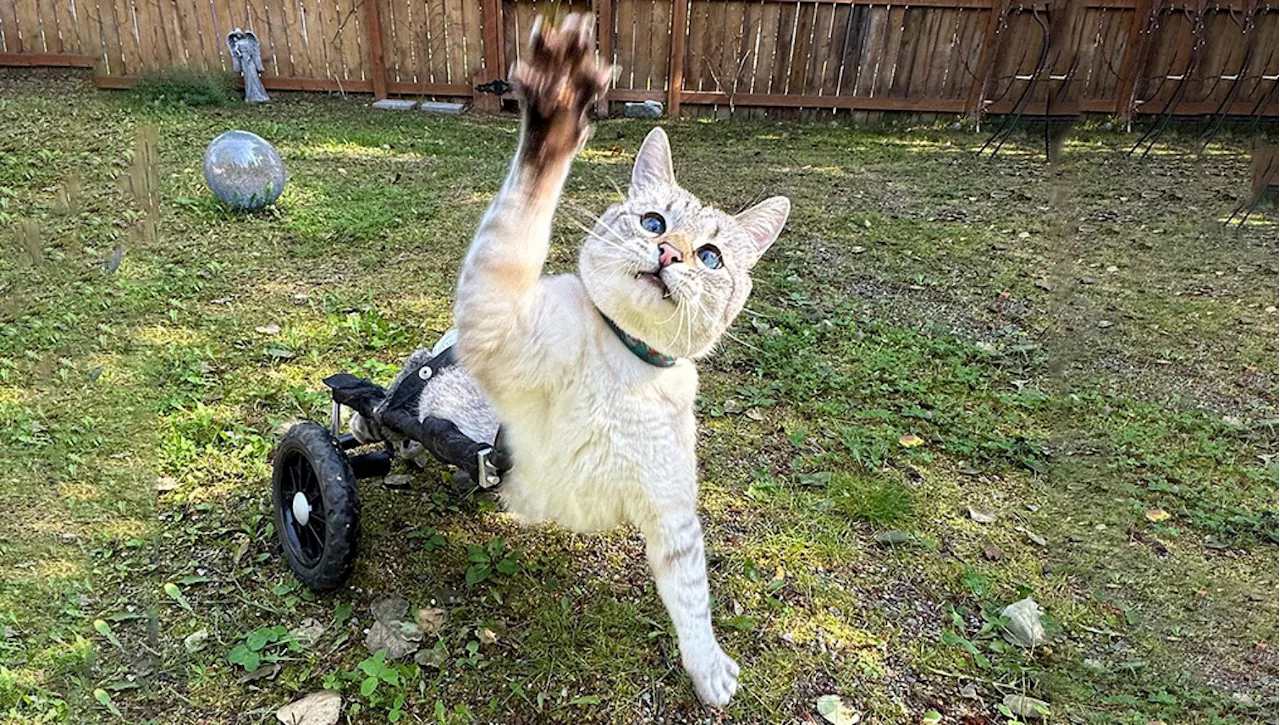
{"x":668,"y":269}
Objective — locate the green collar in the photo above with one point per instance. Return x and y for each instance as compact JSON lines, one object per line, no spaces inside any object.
{"x":639,"y":347}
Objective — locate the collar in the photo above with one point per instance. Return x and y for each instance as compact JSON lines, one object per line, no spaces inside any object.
{"x":639,"y":347}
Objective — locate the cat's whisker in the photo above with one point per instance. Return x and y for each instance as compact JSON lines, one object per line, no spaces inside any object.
{"x":740,"y":341}
{"x":598,"y":220}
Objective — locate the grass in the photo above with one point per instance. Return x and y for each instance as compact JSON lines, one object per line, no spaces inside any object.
{"x":919,"y":294}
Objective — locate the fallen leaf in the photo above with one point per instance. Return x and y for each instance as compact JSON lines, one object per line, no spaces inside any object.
{"x":1024,"y":627}
{"x":991,"y":553}
{"x":981,"y":517}
{"x":911,"y":440}
{"x":833,"y":710}
{"x":487,"y":636}
{"x":318,"y":708}
{"x":264,"y":672}
{"x":166,"y":483}
{"x":755,"y":414}
{"x":969,"y":692}
{"x":307,"y":633}
{"x":104,"y":629}
{"x":399,"y":639}
{"x":389,"y":609}
{"x":176,"y":595}
{"x":1157,"y":515}
{"x":431,"y":619}
{"x":1028,"y":707}
{"x":271,"y":329}
{"x":434,"y":657}
{"x":1035,"y":538}
{"x":732,"y":406}
{"x":194,"y":642}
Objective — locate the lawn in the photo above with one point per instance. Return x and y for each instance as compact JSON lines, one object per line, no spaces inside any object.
{"x":960,"y":382}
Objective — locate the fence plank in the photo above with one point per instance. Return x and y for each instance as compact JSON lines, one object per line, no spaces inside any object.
{"x":372,"y":26}
{"x":679,"y":30}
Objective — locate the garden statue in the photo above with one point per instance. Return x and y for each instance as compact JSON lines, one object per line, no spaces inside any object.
{"x":243,"y":170}
{"x":246,"y":59}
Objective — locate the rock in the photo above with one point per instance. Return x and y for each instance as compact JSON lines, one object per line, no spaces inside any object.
{"x":858,"y":250}
{"x":1024,"y":628}
{"x":1088,"y":280}
{"x":833,"y":710}
{"x":318,"y":708}
{"x":195,"y":641}
{"x":271,"y":329}
{"x":394,"y":104}
{"x":991,"y":553}
{"x":440,"y":107}
{"x":647,"y":109}
{"x":1028,"y":707}
{"x":892,"y":538}
{"x":398,"y":481}
{"x":969,"y":692}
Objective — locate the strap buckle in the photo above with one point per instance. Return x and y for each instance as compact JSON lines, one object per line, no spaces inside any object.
{"x":486,"y":471}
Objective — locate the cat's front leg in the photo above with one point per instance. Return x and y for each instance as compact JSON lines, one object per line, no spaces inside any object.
{"x":558,"y":80}
{"x":675,"y":551}
{"x":498,"y":307}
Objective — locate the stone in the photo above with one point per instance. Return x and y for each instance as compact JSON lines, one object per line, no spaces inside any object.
{"x":892,"y":538}
{"x":394,"y":104}
{"x":448,"y":109}
{"x":647,"y":109}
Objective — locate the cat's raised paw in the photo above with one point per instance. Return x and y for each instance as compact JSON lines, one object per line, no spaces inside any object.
{"x":715,"y":676}
{"x":559,"y":78}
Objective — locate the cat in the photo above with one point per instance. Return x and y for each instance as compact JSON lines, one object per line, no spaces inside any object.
{"x":592,"y":375}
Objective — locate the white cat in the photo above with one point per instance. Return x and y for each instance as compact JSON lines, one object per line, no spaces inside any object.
{"x":600,"y":425}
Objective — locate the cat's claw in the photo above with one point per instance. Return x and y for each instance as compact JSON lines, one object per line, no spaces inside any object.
{"x":558,"y":79}
{"x":715,"y":676}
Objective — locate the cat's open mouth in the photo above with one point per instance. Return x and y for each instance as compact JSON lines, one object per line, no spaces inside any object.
{"x":656,"y":281}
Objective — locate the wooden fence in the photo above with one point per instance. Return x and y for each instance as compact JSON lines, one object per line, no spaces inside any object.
{"x":1058,"y":58}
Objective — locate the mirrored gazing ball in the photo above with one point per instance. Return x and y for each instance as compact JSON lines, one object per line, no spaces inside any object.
{"x":243,"y":170}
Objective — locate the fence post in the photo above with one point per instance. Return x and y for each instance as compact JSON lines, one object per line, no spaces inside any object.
{"x":986,"y":61}
{"x":604,"y":33}
{"x":1133,"y":65}
{"x":675,"y":79}
{"x":372,"y":19}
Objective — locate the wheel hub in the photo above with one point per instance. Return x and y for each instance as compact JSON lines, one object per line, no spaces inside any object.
{"x":301,"y":508}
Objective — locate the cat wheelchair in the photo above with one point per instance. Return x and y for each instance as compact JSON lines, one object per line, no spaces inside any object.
{"x":314,"y":474}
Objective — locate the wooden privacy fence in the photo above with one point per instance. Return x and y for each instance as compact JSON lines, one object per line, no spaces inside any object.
{"x":1057,"y":58}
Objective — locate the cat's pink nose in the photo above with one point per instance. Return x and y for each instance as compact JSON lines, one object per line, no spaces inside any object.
{"x":668,"y":255}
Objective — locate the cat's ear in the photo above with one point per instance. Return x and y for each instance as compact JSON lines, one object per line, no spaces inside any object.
{"x":653,"y":162}
{"x":763,"y":222}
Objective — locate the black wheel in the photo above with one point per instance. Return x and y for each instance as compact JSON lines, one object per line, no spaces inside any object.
{"x":316,"y":511}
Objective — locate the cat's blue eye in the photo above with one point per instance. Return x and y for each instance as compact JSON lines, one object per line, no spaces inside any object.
{"x":653,"y":223}
{"x":710,"y":257}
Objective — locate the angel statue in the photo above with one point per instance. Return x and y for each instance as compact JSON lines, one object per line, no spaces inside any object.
{"x":246,"y":59}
